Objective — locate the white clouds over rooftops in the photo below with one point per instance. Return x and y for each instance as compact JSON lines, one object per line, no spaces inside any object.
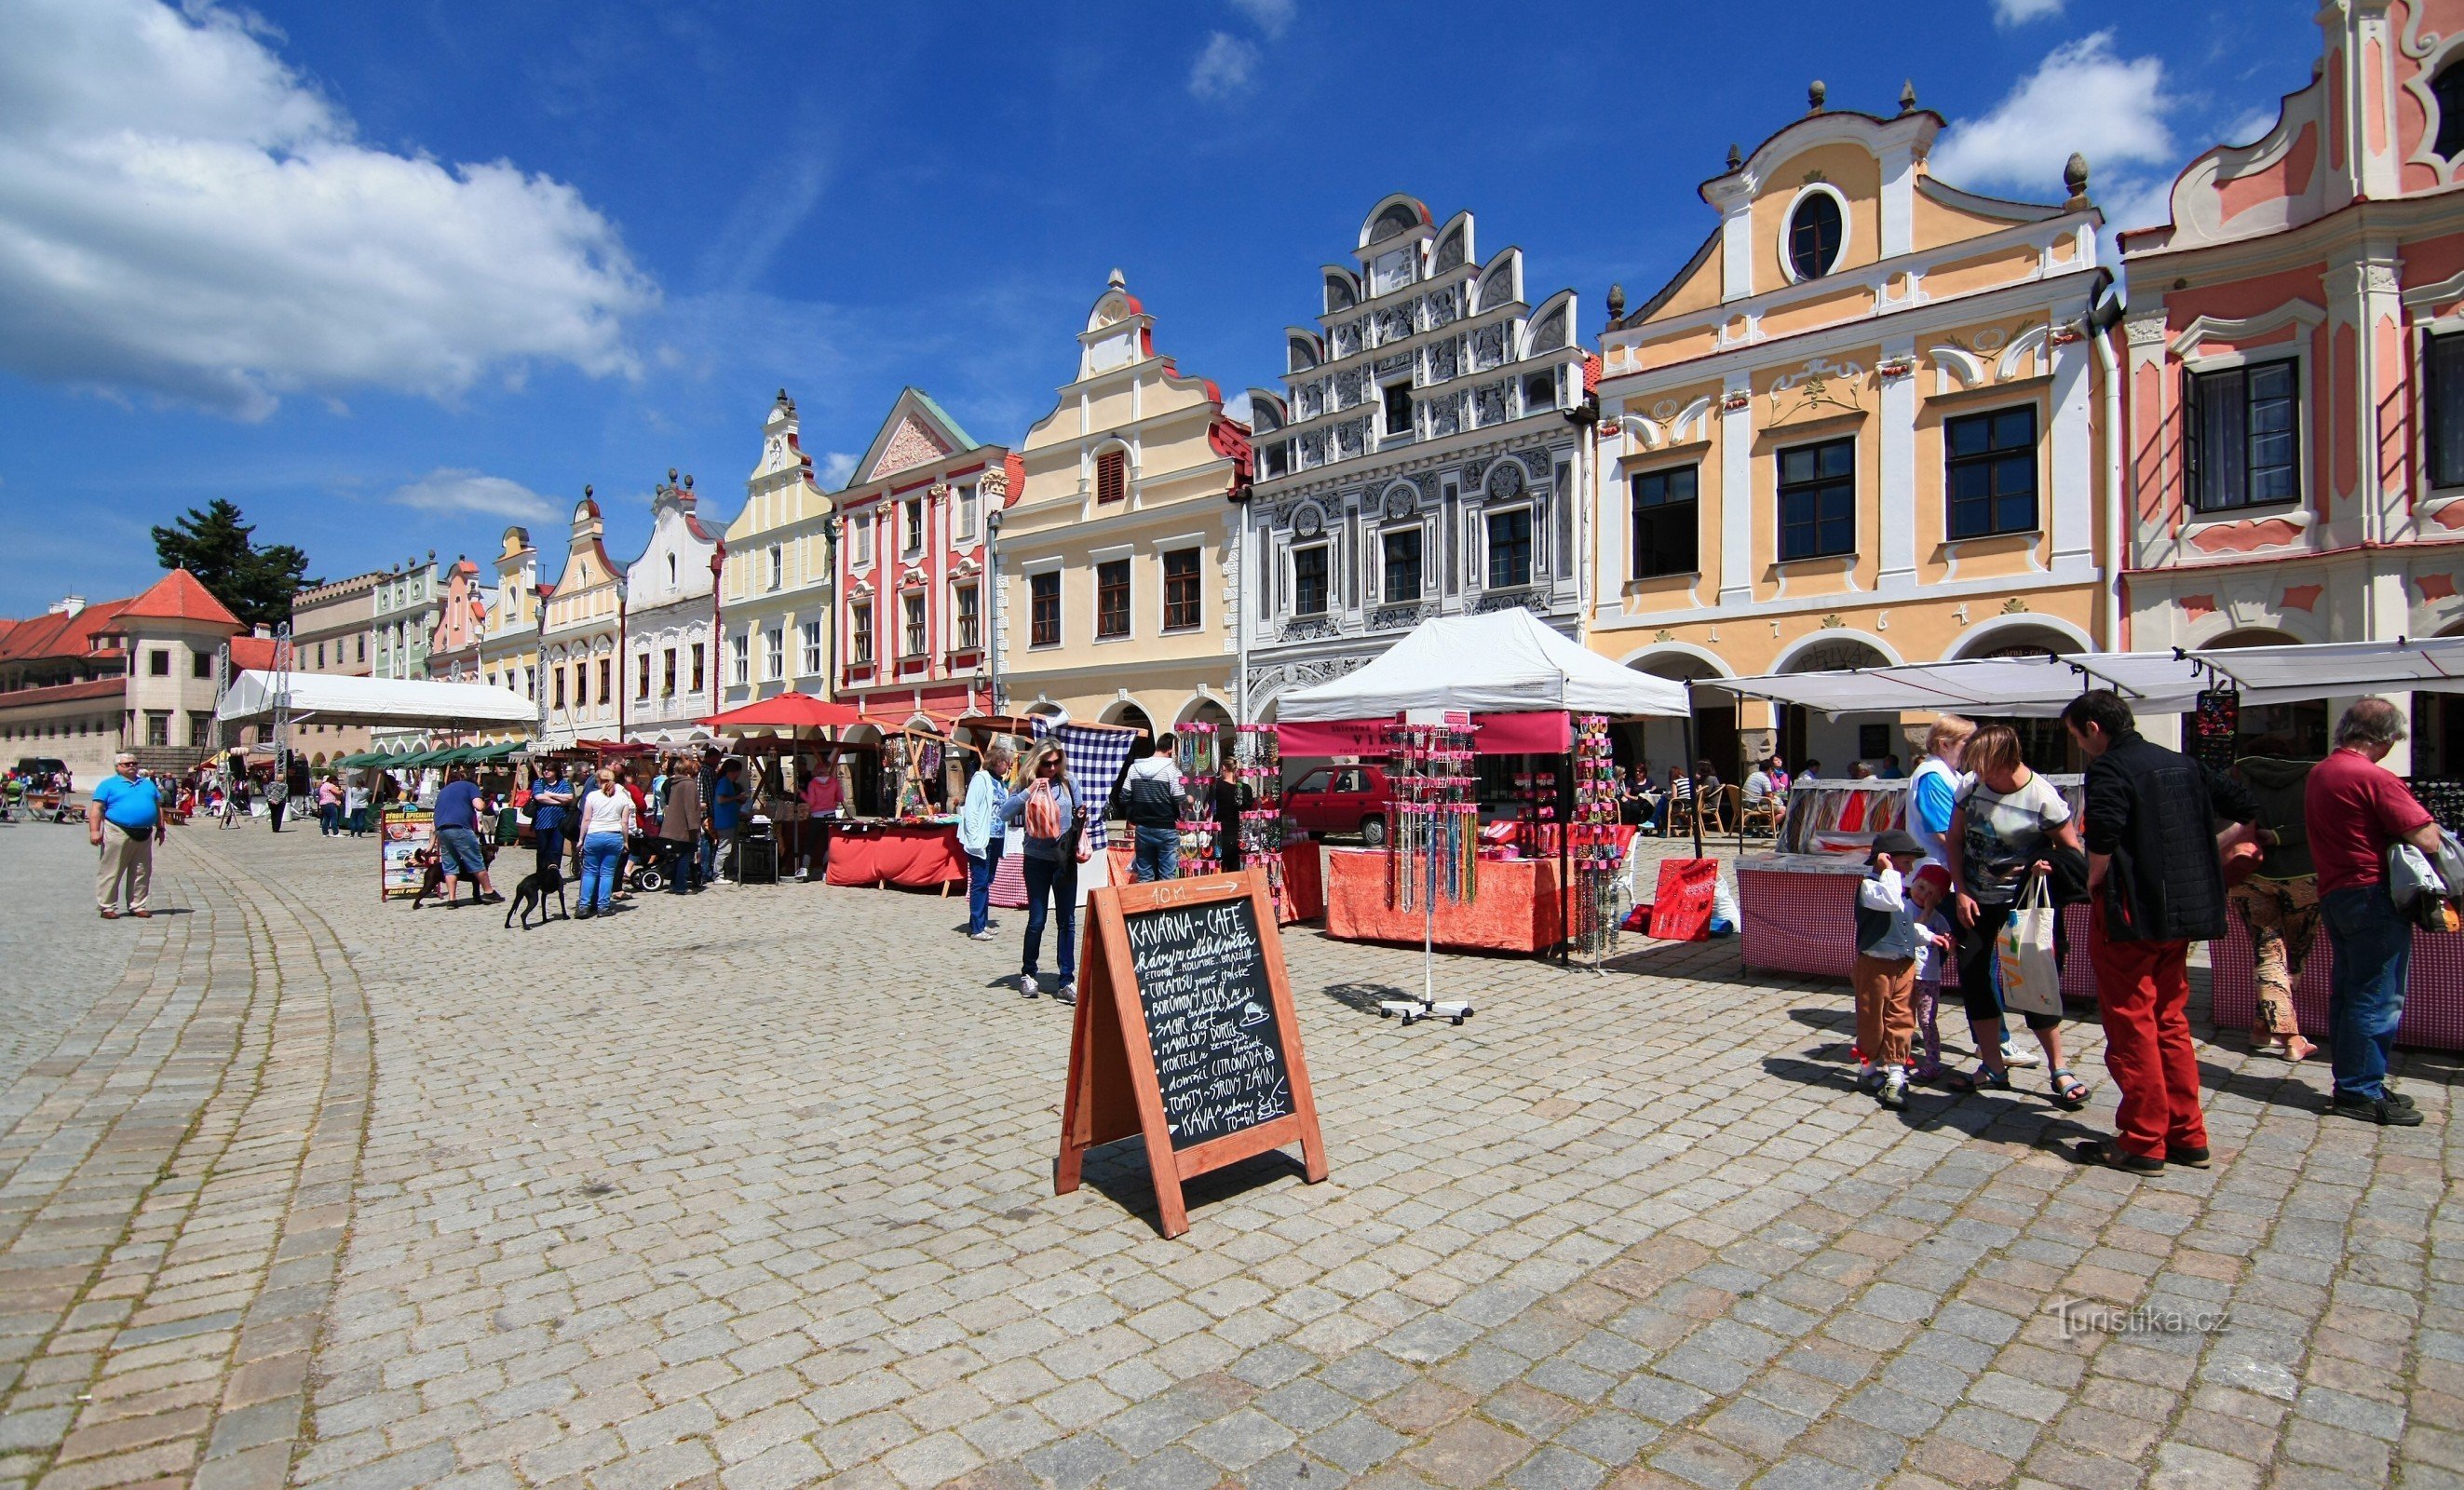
{"x":1225,"y":67}
{"x":2081,"y":98}
{"x":457,"y":489}
{"x":181,"y":214}
{"x":2019,"y":13}
{"x":1275,"y":16}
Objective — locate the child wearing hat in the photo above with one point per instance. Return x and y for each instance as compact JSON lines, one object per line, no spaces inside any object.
{"x":1888,"y":943}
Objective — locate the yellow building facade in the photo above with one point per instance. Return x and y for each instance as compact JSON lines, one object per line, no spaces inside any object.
{"x":582,"y":622}
{"x":509,"y":646}
{"x":1866,"y":424}
{"x":1113,"y":589}
{"x":780,"y":573}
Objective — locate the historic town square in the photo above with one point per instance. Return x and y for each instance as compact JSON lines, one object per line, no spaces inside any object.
{"x":1255,"y":744}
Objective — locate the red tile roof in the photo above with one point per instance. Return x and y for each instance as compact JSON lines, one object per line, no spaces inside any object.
{"x":252,"y":652}
{"x":57,"y":636}
{"x":178,"y":595}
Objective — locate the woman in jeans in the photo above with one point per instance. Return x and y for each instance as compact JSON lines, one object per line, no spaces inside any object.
{"x":2007,"y":822}
{"x":608,"y":819}
{"x":1047,"y":808}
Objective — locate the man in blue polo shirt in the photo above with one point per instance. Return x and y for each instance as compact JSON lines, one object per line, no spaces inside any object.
{"x":124,"y":820}
{"x":459,"y":850}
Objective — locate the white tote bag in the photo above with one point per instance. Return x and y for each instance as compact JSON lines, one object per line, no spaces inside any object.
{"x":2030,"y":984}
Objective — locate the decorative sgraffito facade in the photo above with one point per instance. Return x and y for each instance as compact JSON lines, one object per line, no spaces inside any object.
{"x":1425,"y":457}
{"x":2295,"y":359}
{"x":580,"y":624}
{"x":777,"y":580}
{"x":669,"y":594}
{"x":912,"y":566}
{"x":1857,"y":427}
{"x":1113,"y":563}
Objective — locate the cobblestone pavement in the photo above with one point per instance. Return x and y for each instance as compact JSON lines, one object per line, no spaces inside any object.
{"x":53,"y":979}
{"x":753,"y":1188}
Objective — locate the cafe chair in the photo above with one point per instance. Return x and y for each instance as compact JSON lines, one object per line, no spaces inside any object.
{"x":1711,"y":809}
{"x":1761,"y":816}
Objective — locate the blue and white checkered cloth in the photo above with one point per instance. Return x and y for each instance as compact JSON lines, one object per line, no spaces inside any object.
{"x":1096,"y":755}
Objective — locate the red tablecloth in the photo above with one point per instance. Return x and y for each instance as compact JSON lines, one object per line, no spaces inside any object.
{"x":922,"y":856}
{"x":1800,"y":922}
{"x":1304,"y":882}
{"x":2433,"y":1000}
{"x":1515,"y":909}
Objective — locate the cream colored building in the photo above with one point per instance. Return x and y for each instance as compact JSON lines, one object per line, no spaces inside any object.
{"x":330,"y":627}
{"x":509,"y":646}
{"x":775,"y":591}
{"x":1866,"y":424}
{"x":579,"y":641}
{"x":669,"y":600}
{"x":1113,"y":591}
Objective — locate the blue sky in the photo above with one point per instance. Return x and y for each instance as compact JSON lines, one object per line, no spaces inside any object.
{"x":392,"y":278}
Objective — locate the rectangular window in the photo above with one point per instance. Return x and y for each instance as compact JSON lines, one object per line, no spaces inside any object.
{"x":1667,"y":530}
{"x":1112,"y":599}
{"x":1817,"y":499}
{"x":641,"y":675}
{"x":1044,"y":609}
{"x":911,"y":608}
{"x":201,"y":664}
{"x":860,"y":644}
{"x":1182,"y":610}
{"x":1308,"y":580}
{"x":1990,"y":472}
{"x":1539,"y":392}
{"x":774,"y":654}
{"x":1398,"y":408}
{"x":321,"y":656}
{"x":158,"y":727}
{"x":739,"y":657}
{"x":559,"y":686}
{"x":2442,"y":366}
{"x":778,"y":566}
{"x":158,"y":662}
{"x":1402,"y":569}
{"x":606,"y":680}
{"x":911,"y":539}
{"x":362,"y":647}
{"x":967,"y":507}
{"x":201,"y":729}
{"x":864,"y":540}
{"x":1509,"y":549}
{"x":581,"y":685}
{"x":668,"y":674}
{"x":1111,"y":476}
{"x":2243,"y":446}
{"x":970,"y":611}
{"x":696,"y":667}
{"x":812,"y":668}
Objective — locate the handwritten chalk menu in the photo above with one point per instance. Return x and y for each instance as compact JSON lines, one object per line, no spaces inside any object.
{"x":1184,"y":1036}
{"x":1210,"y":1013}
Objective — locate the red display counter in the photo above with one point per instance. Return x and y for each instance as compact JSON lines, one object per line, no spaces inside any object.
{"x":1304,"y":882}
{"x":910,"y":855}
{"x":1516,"y":908}
{"x":2434,"y":1002}
{"x":1799,"y":914}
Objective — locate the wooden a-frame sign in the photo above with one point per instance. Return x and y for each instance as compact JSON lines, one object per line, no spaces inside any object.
{"x":1220,"y":998}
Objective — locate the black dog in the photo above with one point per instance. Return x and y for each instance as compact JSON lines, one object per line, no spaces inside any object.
{"x":532,"y":893}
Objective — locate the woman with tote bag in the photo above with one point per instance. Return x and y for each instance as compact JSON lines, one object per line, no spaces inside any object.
{"x":2004,"y":830}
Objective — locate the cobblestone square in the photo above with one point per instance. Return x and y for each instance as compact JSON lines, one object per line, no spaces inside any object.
{"x":754,"y":1189}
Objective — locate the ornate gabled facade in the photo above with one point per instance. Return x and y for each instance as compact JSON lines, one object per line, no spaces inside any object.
{"x":509,"y":647}
{"x":779,"y":576}
{"x":1859,"y":426}
{"x":461,"y":619}
{"x":670,"y":596}
{"x":1113,"y":563}
{"x":1428,"y":455}
{"x":2295,"y":359}
{"x":912,"y":559}
{"x":581,"y":626}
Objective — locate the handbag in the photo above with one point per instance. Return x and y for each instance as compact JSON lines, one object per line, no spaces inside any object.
{"x":2032,"y":981}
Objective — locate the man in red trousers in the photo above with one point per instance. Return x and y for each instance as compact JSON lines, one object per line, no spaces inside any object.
{"x":2155,"y":886}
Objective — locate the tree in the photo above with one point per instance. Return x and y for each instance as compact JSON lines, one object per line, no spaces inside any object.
{"x":212,"y":543}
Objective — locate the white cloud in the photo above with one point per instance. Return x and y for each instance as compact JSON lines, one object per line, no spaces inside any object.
{"x":1237,"y":407}
{"x":836,"y":467}
{"x":2019,"y":13}
{"x":1274,"y":17}
{"x":1224,"y":68}
{"x":2251,"y":126}
{"x":183,"y":214}
{"x":458,"y":489}
{"x":2080,"y":97}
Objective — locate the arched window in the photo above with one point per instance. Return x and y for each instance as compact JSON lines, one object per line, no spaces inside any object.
{"x":1814,"y":233}
{"x":2447,"y":88}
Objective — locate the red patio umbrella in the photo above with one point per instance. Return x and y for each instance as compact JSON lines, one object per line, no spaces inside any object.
{"x":786,"y":711}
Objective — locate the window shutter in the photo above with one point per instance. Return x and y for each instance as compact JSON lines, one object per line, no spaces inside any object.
{"x":2427,"y":405}
{"x":2194,"y":418}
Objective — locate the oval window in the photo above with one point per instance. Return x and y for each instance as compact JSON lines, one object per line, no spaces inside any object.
{"x":1814,"y":235}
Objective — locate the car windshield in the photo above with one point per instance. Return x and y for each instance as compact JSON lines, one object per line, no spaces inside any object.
{"x":1314,"y":781}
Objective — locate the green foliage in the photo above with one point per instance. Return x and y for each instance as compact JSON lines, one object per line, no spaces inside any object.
{"x":216,"y":545}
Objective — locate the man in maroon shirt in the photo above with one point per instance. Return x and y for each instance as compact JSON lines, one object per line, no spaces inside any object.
{"x":2355,"y":809}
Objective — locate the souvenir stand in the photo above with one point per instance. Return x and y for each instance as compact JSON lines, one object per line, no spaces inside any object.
{"x":917,"y":846}
{"x":1295,"y":868}
{"x":1497,"y":684}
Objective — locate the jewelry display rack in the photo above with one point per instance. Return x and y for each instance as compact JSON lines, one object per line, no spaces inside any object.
{"x":1432,"y":845}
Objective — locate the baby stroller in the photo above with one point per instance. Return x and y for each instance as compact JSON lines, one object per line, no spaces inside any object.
{"x":649,"y":857}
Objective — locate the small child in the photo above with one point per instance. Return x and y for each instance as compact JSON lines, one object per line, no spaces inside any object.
{"x":1928,"y":889}
{"x":1888,"y":943}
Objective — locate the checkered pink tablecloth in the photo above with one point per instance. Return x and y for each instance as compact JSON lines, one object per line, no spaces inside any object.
{"x":2434,"y":1003}
{"x":1801,"y":922}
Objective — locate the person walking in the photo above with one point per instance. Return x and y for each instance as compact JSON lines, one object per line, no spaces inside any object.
{"x":278,"y":795}
{"x":1933,"y":795}
{"x":981,"y":834}
{"x":2154,"y":886}
{"x":2278,"y":904}
{"x":1150,"y":798}
{"x":355,"y":807}
{"x":680,"y":829}
{"x":822,"y":798}
{"x":608,"y":819}
{"x":459,"y":850}
{"x":329,"y":807}
{"x":718,"y":859}
{"x":551,"y":815}
{"x":2003,"y":830}
{"x":2354,"y":810}
{"x":124,"y":820}
{"x":1047,"y":808}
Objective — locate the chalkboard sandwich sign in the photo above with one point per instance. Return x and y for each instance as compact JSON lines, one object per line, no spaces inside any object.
{"x":1185,"y":1035}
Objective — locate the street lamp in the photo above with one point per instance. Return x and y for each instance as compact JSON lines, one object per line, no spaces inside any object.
{"x":992,"y":605}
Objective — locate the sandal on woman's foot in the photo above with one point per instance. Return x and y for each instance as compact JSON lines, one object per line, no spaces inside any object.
{"x":2069,"y":1091}
{"x":2112,"y":1156}
{"x":2298,"y":1049}
{"x":1983,"y":1079}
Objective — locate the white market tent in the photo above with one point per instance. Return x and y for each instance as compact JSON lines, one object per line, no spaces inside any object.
{"x":408,"y":703}
{"x":2151,"y":682}
{"x":1506,"y":662}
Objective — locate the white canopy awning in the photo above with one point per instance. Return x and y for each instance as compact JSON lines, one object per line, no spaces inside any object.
{"x":2152,"y":682}
{"x":410,"y":703}
{"x":1506,"y":662}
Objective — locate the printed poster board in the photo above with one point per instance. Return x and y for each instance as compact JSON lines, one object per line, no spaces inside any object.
{"x":1681,"y":907}
{"x":405,"y":844}
{"x":1185,"y":1036}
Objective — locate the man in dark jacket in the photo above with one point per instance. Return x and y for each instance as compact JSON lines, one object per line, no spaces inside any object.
{"x":2155,"y":886}
{"x":1150,"y":797}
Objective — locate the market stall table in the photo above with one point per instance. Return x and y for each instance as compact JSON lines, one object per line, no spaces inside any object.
{"x":2433,"y":1005}
{"x":910,"y":855}
{"x":1303,"y":881}
{"x":1516,"y":908}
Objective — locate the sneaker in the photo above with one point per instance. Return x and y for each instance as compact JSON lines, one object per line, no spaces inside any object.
{"x":983,"y":935}
{"x":1869,"y":1078}
{"x":1893,"y":1094}
{"x":1068,"y":993}
{"x":1027,"y":985}
{"x":2013,"y":1055}
{"x":2384,"y":1112}
{"x":584,"y":913}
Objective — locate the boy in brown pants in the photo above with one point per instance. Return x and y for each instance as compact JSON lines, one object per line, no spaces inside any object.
{"x":1889,"y":941}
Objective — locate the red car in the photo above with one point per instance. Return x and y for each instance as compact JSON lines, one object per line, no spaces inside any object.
{"x":1340,"y":800}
